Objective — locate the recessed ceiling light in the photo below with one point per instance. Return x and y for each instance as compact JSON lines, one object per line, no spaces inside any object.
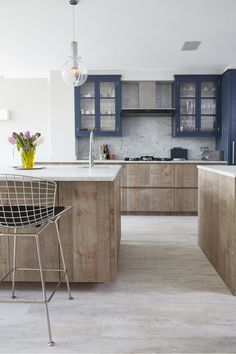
{"x":191,"y":45}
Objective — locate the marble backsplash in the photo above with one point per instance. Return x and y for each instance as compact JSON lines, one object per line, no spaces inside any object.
{"x":144,"y":136}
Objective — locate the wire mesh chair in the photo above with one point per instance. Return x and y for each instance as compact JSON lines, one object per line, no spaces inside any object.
{"x":27,"y":202}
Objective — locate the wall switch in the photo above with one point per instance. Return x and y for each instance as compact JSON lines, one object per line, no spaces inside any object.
{"x":4,"y":114}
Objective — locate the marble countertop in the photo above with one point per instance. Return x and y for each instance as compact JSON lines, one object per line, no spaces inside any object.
{"x":222,"y":170}
{"x":68,"y":173}
{"x":71,"y":162}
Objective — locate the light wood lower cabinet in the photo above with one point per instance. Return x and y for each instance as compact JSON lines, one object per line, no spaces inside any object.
{"x":186,"y":175}
{"x":148,"y":175}
{"x":147,"y":199}
{"x":91,"y":230}
{"x":90,"y":235}
{"x":186,"y":200}
{"x":159,"y":188}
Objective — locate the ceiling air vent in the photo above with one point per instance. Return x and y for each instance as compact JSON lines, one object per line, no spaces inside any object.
{"x":191,"y":45}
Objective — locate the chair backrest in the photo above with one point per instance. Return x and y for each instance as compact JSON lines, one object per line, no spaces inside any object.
{"x":25,"y":200}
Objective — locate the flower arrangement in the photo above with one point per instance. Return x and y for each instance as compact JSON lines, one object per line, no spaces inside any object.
{"x":26,"y":144}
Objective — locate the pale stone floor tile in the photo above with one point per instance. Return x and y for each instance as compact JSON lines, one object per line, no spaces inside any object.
{"x":167,"y":299}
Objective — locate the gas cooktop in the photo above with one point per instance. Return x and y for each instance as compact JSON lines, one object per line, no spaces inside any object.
{"x":147,"y":158}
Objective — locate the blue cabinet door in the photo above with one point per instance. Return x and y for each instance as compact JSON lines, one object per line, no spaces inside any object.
{"x":98,"y":106}
{"x":227,"y":141}
{"x":197,"y":103}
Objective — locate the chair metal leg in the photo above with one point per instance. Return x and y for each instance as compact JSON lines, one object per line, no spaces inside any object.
{"x":13,"y":266}
{"x":50,"y":343}
{"x":63,"y":261}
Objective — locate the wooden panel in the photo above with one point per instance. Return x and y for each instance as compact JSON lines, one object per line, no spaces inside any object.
{"x":148,"y":175}
{"x":27,"y":255}
{"x":217,"y":233}
{"x":4,"y":254}
{"x":147,"y":199}
{"x":91,"y":230}
{"x":186,"y":175}
{"x":185,"y":199}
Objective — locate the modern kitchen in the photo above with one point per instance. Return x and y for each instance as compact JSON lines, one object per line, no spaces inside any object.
{"x":117,"y":177}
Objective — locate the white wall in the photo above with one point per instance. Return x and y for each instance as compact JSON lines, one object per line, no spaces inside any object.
{"x":62,"y":118}
{"x":28,"y":103}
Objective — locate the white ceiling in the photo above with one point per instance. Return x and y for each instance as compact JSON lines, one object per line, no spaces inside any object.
{"x":118,"y":35}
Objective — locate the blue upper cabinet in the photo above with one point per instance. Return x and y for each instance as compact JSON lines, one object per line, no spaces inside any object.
{"x":98,"y":106}
{"x":227,"y":140}
{"x":197,"y":100}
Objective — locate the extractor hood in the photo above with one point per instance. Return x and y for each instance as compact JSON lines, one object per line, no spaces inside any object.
{"x":147,"y":103}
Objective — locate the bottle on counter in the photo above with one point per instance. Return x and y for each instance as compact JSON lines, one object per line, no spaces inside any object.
{"x":101,"y":151}
{"x":106,"y":152}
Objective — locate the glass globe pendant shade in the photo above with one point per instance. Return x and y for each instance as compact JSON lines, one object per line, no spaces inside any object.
{"x":73,"y":71}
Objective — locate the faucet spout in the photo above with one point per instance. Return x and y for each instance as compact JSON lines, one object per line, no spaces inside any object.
{"x":91,"y":143}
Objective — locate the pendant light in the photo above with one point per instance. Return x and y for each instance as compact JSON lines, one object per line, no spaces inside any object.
{"x":73,"y":71}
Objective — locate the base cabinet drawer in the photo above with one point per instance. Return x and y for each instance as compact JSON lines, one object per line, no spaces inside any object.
{"x":186,"y":199}
{"x":147,"y":199}
{"x":186,"y":176}
{"x":148,"y":175}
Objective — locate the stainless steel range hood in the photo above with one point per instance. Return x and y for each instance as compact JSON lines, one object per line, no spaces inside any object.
{"x":147,"y":103}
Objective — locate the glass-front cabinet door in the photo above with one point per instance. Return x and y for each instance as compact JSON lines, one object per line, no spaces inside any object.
{"x":107,"y":106}
{"x":87,"y":107}
{"x":197,"y":102}
{"x":98,"y":106}
{"x":208,"y":118}
{"x":187,"y":119}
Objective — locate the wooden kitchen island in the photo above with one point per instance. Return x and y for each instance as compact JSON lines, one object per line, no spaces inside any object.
{"x":90,"y":232}
{"x":217,"y":222}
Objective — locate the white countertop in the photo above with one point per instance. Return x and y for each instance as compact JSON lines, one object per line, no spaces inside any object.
{"x":222,"y":170}
{"x":71,"y":162}
{"x":68,"y":173}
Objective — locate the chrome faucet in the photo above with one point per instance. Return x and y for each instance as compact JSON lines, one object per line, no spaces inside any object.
{"x":91,"y":142}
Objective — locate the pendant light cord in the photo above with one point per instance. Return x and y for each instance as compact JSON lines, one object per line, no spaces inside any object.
{"x":73,"y":22}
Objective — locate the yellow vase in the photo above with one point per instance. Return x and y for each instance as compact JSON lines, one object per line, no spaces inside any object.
{"x":27,"y":158}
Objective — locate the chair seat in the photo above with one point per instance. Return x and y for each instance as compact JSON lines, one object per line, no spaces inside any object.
{"x":17,"y":216}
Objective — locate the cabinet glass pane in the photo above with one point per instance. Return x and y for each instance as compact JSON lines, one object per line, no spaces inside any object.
{"x":187,"y":123}
{"x":87,"y":90}
{"x":187,"y":106}
{"x":208,"y":106}
{"x":208,"y":123}
{"x":87,"y":122}
{"x":107,"y":89}
{"x":87,"y":106}
{"x":107,"y":106}
{"x":187,"y":89}
{"x":208,"y":89}
{"x":108,"y":123}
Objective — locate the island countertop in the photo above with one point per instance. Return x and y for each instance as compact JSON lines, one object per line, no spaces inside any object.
{"x":229,"y":171}
{"x":105,"y":173}
{"x":115,"y":162}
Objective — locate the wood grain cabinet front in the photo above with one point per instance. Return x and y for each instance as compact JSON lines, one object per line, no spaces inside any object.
{"x":148,"y":175}
{"x":186,"y":175}
{"x":147,"y":200}
{"x":159,"y":188}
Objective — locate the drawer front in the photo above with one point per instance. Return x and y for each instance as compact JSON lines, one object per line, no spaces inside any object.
{"x":186,"y":199}
{"x":148,"y":175}
{"x":186,"y":175}
{"x":147,"y":200}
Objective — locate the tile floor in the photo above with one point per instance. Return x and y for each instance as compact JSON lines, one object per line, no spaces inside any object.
{"x":167,"y":299}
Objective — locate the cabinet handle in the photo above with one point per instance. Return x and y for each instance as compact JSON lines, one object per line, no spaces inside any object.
{"x":233,"y":149}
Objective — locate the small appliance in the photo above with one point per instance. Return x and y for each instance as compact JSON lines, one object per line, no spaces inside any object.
{"x":179,"y":153}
